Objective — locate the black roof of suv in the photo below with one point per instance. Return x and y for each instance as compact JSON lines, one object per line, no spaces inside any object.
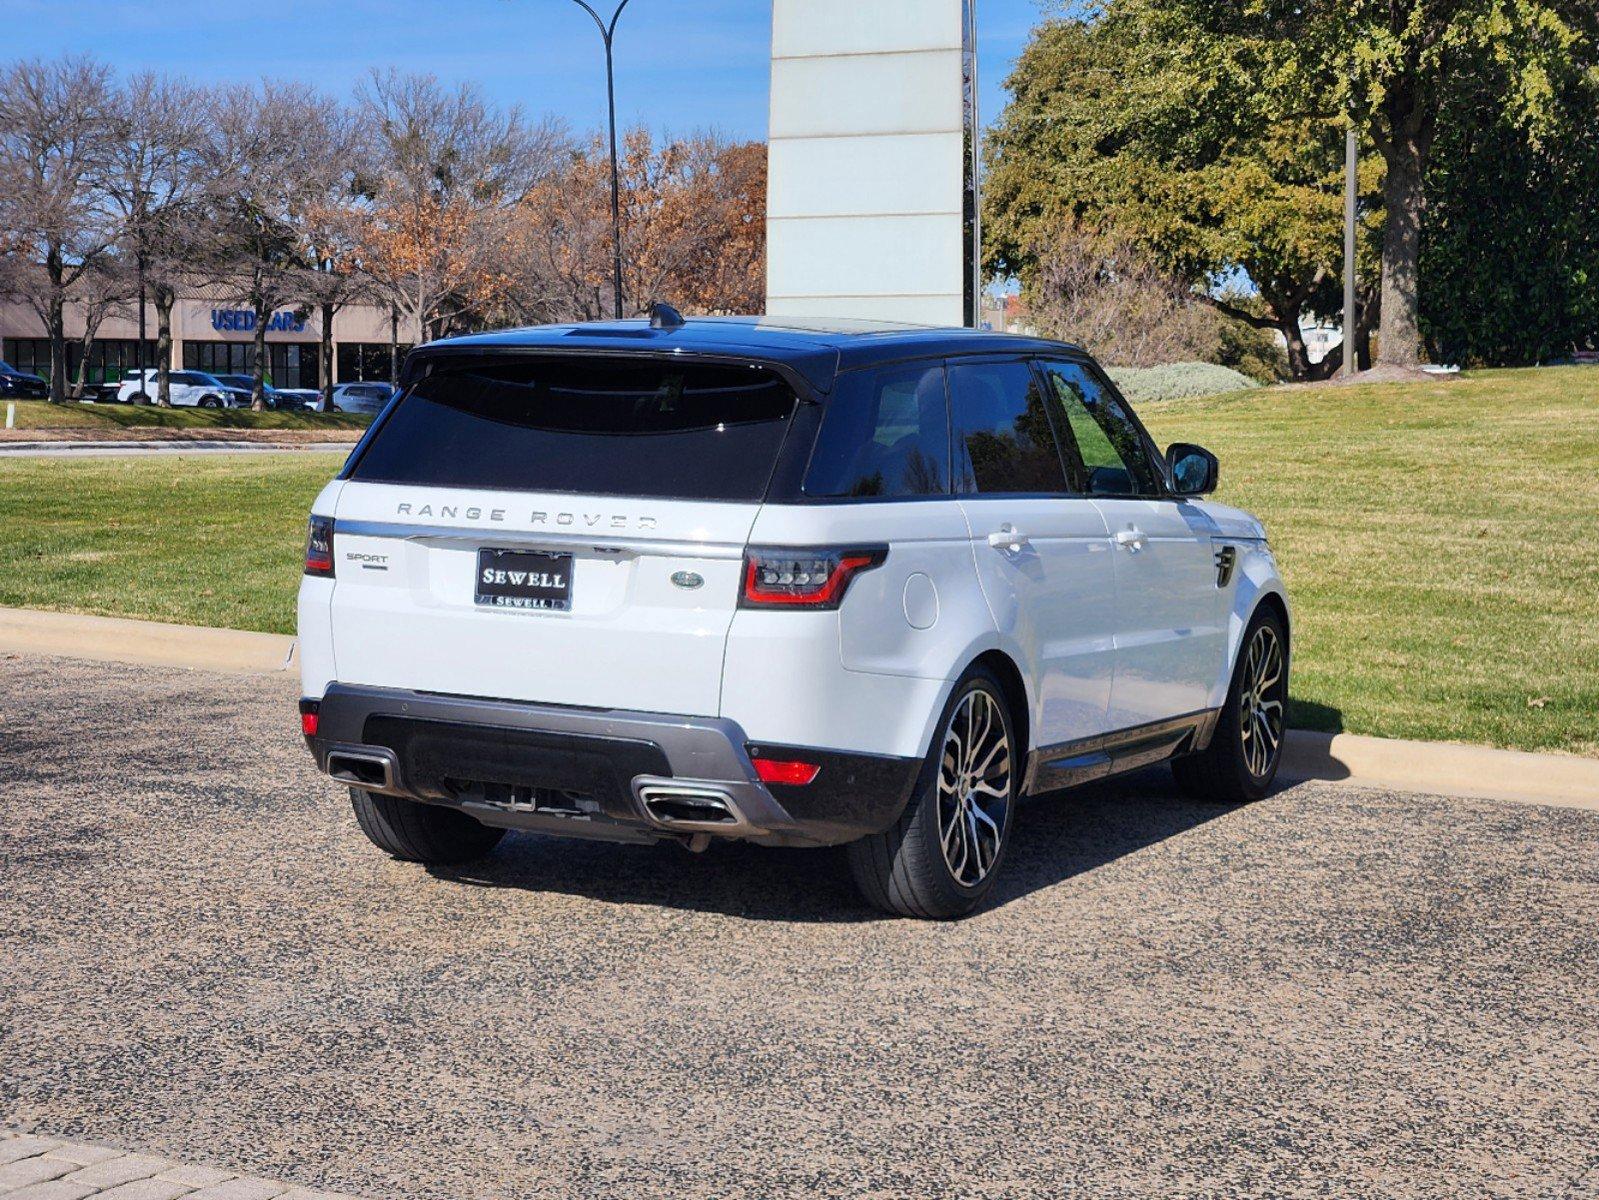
{"x":816,"y":350}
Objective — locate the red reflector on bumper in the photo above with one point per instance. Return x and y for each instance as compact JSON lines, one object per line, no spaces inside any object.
{"x":310,"y":717}
{"x":797,"y":774}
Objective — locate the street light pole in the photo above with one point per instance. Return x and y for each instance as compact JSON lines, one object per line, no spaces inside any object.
{"x":1351,"y":190}
{"x":608,"y":34}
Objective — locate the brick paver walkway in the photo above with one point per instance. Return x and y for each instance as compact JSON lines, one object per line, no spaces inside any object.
{"x":42,"y":1168}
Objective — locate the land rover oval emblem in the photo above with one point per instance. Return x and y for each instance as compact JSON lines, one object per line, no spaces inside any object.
{"x":688,"y":579}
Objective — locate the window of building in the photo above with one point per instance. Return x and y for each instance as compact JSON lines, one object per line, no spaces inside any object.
{"x":107,"y":359}
{"x":289,"y":364}
{"x":361,"y":362}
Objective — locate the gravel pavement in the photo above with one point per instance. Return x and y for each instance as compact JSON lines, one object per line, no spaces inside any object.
{"x":1335,"y":992}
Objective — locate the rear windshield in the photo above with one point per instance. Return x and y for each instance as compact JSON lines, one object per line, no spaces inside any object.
{"x":694,"y":431}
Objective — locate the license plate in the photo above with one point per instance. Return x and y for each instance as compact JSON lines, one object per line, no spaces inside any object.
{"x":524,"y":579}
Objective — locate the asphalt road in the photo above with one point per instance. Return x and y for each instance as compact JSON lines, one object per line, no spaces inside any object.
{"x":1332,"y":993}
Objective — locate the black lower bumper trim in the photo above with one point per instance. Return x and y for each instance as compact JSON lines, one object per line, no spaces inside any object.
{"x":579,"y":771}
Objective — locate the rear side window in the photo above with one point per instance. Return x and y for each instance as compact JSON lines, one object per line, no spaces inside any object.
{"x":694,"y":431}
{"x":1104,"y":438}
{"x":886,"y":433}
{"x":1003,"y":439}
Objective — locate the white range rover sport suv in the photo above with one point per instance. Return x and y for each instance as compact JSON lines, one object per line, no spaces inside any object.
{"x":853,"y":584}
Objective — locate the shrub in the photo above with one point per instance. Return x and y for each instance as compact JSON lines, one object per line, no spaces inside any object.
{"x":1115,"y":300}
{"x":1175,"y":381}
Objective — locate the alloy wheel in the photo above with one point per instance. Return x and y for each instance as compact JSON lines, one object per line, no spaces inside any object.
{"x":974,"y":788}
{"x":1260,"y":701}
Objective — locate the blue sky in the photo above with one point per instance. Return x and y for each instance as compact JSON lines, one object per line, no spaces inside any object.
{"x":681,"y":64}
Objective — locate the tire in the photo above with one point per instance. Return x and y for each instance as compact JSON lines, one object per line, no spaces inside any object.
{"x":906,"y":870}
{"x":139,"y":398}
{"x":423,"y":833}
{"x":210,"y":402}
{"x":1241,"y":762}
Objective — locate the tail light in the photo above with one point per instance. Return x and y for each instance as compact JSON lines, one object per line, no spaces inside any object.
{"x":319,"y":547}
{"x":310,"y":717}
{"x":815,"y":579}
{"x":795,"y":774}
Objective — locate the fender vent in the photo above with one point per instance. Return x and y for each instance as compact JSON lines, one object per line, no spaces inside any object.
{"x":1226,"y":560}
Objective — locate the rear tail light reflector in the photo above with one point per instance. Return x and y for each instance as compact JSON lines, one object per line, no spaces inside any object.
{"x":795,"y":774}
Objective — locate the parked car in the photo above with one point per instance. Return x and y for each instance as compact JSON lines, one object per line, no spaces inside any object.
{"x":302,"y":398}
{"x":271,"y":396}
{"x":19,"y":385}
{"x":101,"y":393}
{"x":362,"y":397}
{"x":807,"y":586}
{"x":188,"y":389}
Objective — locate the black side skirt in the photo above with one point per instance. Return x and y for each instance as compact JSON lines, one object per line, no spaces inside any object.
{"x":1067,"y":764}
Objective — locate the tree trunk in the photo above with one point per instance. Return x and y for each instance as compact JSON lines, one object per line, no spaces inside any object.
{"x":56,"y":327}
{"x":394,"y":343}
{"x":1399,"y":334}
{"x":87,"y":342}
{"x":1299,"y":364}
{"x":324,"y":364}
{"x":1366,"y":321}
{"x":259,"y":359}
{"x":165,"y":298}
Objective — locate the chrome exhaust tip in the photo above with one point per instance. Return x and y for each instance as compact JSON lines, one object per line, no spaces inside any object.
{"x":688,"y":806}
{"x":371,"y":772}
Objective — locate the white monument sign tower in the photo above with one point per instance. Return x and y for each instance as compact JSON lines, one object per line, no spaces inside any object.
{"x":872,"y":199}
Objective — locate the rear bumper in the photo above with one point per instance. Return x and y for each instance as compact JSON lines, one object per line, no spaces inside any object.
{"x":610,"y":774}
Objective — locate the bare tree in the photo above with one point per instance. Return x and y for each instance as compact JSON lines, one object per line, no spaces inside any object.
{"x":693,"y":221}
{"x":106,"y":288}
{"x":274,"y":153}
{"x":55,"y":132}
{"x":156,"y":184}
{"x":1113,"y":298}
{"x":334,"y":227}
{"x":448,"y":171}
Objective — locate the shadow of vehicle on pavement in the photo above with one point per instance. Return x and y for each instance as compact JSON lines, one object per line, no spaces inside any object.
{"x":1056,"y":837}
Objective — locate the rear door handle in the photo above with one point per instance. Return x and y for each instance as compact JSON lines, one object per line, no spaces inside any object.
{"x":1008,"y":539}
{"x":1133,"y":539}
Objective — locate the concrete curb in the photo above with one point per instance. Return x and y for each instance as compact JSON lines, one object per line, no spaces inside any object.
{"x":150,"y":643}
{"x":1442,"y":768}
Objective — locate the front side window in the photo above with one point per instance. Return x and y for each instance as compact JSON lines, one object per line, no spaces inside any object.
{"x":683,"y":430}
{"x":886,"y":434}
{"x":1104,"y":440}
{"x":1003,"y":439}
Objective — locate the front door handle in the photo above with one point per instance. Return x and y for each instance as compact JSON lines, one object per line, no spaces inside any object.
{"x":1008,"y":539}
{"x":1133,"y":539}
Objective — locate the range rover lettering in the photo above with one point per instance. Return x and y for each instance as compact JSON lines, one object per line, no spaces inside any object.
{"x":850,"y":585}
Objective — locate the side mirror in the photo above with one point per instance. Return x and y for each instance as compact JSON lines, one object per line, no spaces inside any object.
{"x":1194,"y":470}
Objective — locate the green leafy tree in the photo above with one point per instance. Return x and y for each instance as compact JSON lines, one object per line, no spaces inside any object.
{"x":1393,"y":65}
{"x":1134,"y":119}
{"x":1510,"y":239}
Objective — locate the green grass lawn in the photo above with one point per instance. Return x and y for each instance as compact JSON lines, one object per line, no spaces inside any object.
{"x":39,"y":414}
{"x":199,"y":539}
{"x":1441,"y":546}
{"x":1440,"y":540}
